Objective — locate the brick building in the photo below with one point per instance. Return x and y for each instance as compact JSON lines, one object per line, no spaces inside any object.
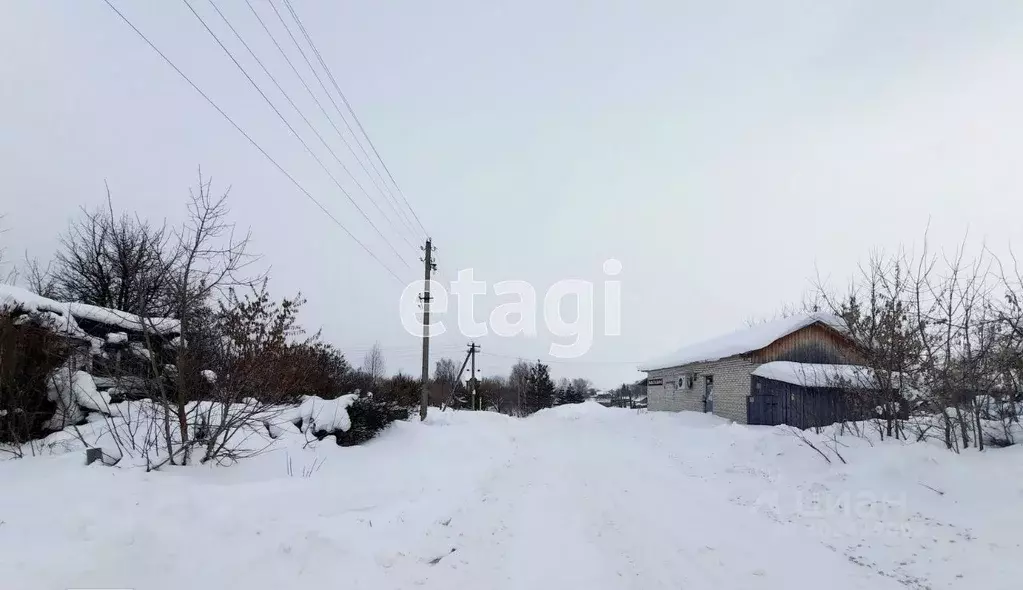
{"x":716,"y":375}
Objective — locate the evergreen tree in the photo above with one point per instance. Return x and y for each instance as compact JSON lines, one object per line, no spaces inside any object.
{"x":572,"y":392}
{"x":539,"y":388}
{"x":625,"y":396}
{"x":562,"y":392}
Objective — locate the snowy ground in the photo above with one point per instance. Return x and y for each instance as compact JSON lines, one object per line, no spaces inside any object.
{"x":577,"y":497}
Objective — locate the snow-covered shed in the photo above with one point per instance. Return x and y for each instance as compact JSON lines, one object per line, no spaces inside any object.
{"x":805,"y":395}
{"x":717,"y":375}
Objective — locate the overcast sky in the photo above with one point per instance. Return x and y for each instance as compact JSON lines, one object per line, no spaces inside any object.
{"x":722,"y":151}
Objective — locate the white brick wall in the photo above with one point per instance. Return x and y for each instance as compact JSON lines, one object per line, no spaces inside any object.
{"x":731,"y":387}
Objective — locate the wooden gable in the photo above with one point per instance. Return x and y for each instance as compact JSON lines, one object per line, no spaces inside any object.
{"x":815,"y":343}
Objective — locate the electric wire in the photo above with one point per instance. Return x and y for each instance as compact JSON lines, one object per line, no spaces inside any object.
{"x":355,"y":117}
{"x":294,"y":132}
{"x":252,"y":141}
{"x":306,"y":120}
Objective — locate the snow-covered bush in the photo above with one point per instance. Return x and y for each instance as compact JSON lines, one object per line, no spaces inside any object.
{"x":134,"y":433}
{"x":942,"y":336}
{"x":197,"y":386}
{"x":320,"y":416}
{"x":352,"y":418}
{"x":368,"y":417}
{"x":30,"y":352}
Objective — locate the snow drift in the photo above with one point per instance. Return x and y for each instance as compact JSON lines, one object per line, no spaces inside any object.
{"x":573,"y":497}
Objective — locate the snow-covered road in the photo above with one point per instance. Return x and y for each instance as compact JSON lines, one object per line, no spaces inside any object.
{"x":573,"y":510}
{"x":577,"y":497}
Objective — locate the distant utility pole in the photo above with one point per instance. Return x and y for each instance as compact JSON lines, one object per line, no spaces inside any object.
{"x":477,"y":404}
{"x":470,"y":357}
{"x":430,"y":266}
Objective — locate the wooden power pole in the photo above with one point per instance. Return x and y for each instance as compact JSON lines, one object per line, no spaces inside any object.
{"x":430,"y":266}
{"x":476,"y":402}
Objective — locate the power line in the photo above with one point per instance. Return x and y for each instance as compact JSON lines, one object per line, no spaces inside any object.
{"x":252,"y":141}
{"x":348,"y":106}
{"x":295,"y":133}
{"x":564,"y":361}
{"x":412,"y":348}
{"x":393,"y":202}
{"x":326,"y":69}
{"x":358,"y":122}
{"x":316,"y":100}
{"x":306,"y":119}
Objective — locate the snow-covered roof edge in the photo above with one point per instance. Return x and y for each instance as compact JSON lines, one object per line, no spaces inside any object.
{"x":122,"y":319}
{"x":16,"y":298}
{"x":814,"y":375}
{"x":742,"y":341}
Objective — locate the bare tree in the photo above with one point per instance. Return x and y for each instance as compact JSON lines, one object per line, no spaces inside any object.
{"x":204,"y":257}
{"x":878,"y":310}
{"x":518,"y":380}
{"x":938,"y":335}
{"x":251,"y":361}
{"x":498,"y":395}
{"x":41,"y":280}
{"x":1005,"y":406}
{"x":445,"y":375}
{"x":373,"y":364}
{"x":9,"y":276}
{"x":117,"y":262}
{"x":955,"y":321}
{"x":258,"y":368}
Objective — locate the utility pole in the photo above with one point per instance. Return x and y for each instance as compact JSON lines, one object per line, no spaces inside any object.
{"x":470,"y":357}
{"x":430,"y":266}
{"x":476,"y":402}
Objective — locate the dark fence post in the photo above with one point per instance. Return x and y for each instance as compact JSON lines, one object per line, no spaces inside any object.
{"x":93,"y":454}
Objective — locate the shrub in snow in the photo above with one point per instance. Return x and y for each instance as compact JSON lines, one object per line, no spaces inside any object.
{"x":368,"y":417}
{"x":321,"y":417}
{"x":352,"y":419}
{"x":30,"y":351}
{"x":234,"y":388}
{"x":399,"y":390}
{"x":132,"y":432}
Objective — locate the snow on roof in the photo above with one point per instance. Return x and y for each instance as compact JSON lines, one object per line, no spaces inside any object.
{"x":123,"y":319}
{"x":811,"y":375}
{"x":16,"y":298}
{"x":742,"y":341}
{"x":53,"y":314}
{"x":12,"y":297}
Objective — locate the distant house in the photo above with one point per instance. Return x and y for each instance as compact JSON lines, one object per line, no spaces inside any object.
{"x":629,"y":395}
{"x":779,"y":372}
{"x":613,"y":398}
